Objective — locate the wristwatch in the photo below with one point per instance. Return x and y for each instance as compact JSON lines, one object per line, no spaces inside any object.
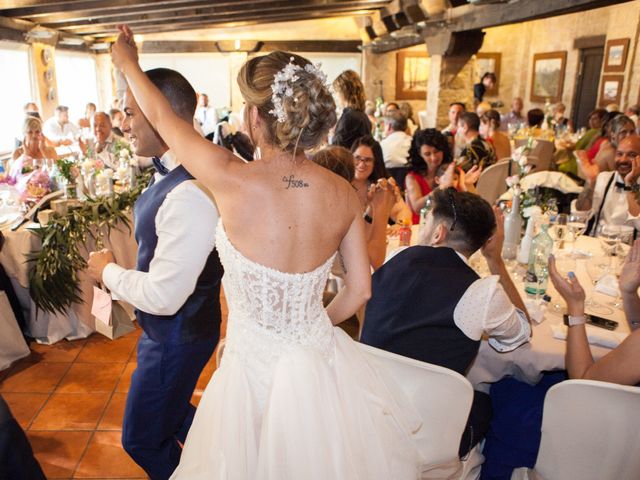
{"x":576,"y":320}
{"x":635,"y":188}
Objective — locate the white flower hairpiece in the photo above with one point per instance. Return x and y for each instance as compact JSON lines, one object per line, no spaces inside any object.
{"x":282,"y":85}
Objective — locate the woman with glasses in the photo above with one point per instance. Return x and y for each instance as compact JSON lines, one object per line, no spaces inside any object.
{"x":371,"y":174}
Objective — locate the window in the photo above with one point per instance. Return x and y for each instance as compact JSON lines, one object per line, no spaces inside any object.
{"x":15,"y":92}
{"x":333,"y":64}
{"x":77,"y":82}
{"x":207,"y":73}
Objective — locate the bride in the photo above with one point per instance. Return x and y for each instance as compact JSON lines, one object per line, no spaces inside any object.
{"x":294,"y":398}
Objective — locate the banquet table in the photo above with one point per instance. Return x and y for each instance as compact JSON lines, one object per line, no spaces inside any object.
{"x":77,"y":321}
{"x":543,"y":352}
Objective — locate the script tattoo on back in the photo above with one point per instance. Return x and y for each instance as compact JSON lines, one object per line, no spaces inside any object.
{"x":293,"y":182}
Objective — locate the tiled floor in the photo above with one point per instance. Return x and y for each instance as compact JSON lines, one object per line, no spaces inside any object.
{"x":69,"y":398}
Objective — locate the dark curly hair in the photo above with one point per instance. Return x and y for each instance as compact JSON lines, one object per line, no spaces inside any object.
{"x":379,"y":170}
{"x":432,"y":137}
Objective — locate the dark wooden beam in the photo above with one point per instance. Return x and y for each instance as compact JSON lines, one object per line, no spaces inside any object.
{"x":333,"y":46}
{"x":28,"y":8}
{"x":246,"y":10}
{"x":475,"y":17}
{"x":211,"y":24}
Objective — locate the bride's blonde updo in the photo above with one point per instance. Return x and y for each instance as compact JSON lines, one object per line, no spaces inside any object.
{"x":309,"y":110}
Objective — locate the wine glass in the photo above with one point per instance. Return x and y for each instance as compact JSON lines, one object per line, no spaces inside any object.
{"x":559,"y":229}
{"x":609,"y":236}
{"x":596,"y":271}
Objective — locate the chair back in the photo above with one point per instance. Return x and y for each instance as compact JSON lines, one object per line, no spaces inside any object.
{"x":542,"y":151}
{"x":422,"y":119}
{"x":590,"y":431}
{"x":492,"y":182}
{"x":441,"y":396}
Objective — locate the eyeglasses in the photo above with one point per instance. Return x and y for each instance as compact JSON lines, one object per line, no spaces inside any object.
{"x":452,"y":202}
{"x":358,"y":159}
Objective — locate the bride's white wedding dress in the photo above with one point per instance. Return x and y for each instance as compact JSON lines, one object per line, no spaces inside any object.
{"x":294,"y":397}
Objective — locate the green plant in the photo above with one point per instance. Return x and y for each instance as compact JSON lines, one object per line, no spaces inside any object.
{"x":53,"y":278}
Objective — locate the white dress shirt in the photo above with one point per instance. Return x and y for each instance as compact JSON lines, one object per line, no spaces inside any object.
{"x":56,"y":132}
{"x":185,"y":225}
{"x":615,"y":209}
{"x":485,"y":309}
{"x":395,"y":149}
{"x":107,"y":154}
{"x":207,"y":118}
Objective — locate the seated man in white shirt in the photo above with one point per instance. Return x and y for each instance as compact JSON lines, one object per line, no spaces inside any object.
{"x":104,"y":139}
{"x":206,"y":116}
{"x":612,"y":196}
{"x":396,"y":145}
{"x":427,"y":303}
{"x":58,"y":129}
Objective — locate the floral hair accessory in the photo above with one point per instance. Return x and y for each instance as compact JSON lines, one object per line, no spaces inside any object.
{"x":282,"y":85}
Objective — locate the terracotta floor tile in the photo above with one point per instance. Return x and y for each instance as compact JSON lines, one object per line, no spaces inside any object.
{"x":100,"y":349}
{"x":25,"y":406}
{"x":58,"y":452}
{"x":112,"y":418}
{"x":63,"y":351}
{"x":125,"y":379}
{"x":39,"y":377}
{"x":91,"y":378}
{"x":71,"y":411}
{"x":105,"y":458}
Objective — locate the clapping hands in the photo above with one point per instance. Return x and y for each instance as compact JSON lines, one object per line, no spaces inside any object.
{"x":568,"y":288}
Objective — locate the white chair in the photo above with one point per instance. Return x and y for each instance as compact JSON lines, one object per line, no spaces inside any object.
{"x":542,"y":151}
{"x":422,"y":119}
{"x":441,"y":396}
{"x":589,"y":432}
{"x":492,"y":182}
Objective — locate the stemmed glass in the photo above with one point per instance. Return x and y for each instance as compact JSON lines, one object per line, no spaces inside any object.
{"x":596,"y":271}
{"x":559,"y":229}
{"x":625,"y":240}
{"x":577,"y":225}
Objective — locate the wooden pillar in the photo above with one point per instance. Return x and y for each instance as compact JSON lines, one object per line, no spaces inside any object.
{"x":43,"y":60}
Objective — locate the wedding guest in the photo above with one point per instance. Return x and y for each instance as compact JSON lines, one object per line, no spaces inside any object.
{"x":535,"y":118}
{"x":370,"y":110}
{"x":514,"y":117}
{"x":407,"y":111}
{"x":116,"y":117}
{"x":396,"y":145}
{"x":482,"y":107}
{"x":490,"y":131}
{"x":175,"y":288}
{"x":370,"y":171}
{"x":477,"y":150}
{"x":17,"y":461}
{"x":105,"y":140}
{"x":353,"y":122}
{"x":58,"y":130}
{"x":427,"y":303}
{"x":487,"y":82}
{"x":451,"y":176}
{"x":610,"y":197}
{"x":633,"y":112}
{"x":596,"y":120}
{"x":391,"y":107}
{"x":616,"y":130}
{"x":33,"y":143}
{"x":206,"y":116}
{"x":89,"y":112}
{"x":456,"y":109}
{"x":430,"y":150}
{"x":560,"y":122}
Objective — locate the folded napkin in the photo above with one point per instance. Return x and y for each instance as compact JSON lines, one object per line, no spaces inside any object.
{"x":608,"y":285}
{"x":595,"y":335}
{"x":536,"y":309}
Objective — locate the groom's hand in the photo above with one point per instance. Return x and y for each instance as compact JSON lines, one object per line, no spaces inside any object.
{"x":97,"y":262}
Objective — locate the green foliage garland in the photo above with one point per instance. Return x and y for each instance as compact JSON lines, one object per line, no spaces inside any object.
{"x":53,"y":278}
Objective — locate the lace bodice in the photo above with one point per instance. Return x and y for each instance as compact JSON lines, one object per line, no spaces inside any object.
{"x":270,"y":311}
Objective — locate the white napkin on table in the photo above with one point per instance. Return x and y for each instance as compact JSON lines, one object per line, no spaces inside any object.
{"x":595,"y":335}
{"x":608,"y":285}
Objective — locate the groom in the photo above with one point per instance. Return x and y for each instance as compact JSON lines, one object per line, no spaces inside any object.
{"x":175,"y":288}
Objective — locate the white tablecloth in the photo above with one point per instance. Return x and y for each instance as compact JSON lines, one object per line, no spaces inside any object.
{"x":543,"y":352}
{"x":77,"y":321}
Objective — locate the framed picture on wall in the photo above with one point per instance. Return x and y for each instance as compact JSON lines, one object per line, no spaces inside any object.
{"x":615,"y":59}
{"x":488,"y":62}
{"x":611,"y":89}
{"x":547,"y":78}
{"x":412,"y":75}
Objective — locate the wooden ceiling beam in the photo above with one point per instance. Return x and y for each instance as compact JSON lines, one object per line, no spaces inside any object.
{"x":26,"y":9}
{"x":336,"y":46}
{"x":181,"y":14}
{"x":220,"y":24}
{"x":289,"y":13}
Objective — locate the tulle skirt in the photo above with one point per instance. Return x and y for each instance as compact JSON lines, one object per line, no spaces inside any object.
{"x":308,"y":418}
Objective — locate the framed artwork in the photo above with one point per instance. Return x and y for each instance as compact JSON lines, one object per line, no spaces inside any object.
{"x":547,"y":79}
{"x":412,"y":75}
{"x":615,"y":59}
{"x":488,"y":62}
{"x":611,"y":89}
